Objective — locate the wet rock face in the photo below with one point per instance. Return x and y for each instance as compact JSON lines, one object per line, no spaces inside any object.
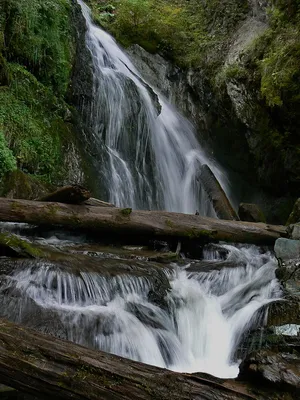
{"x":80,"y":93}
{"x":191,"y":91}
{"x":251,"y":213}
{"x":295,"y":214}
{"x":287,"y":311}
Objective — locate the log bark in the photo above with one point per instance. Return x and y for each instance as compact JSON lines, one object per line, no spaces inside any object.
{"x":73,"y":194}
{"x":216,"y":194}
{"x":142,"y":226}
{"x":39,"y":364}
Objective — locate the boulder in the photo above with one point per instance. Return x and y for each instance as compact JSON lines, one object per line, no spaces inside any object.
{"x":287,"y":249}
{"x":251,"y":213}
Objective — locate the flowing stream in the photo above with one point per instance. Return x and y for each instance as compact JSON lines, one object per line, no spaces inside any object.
{"x":149,"y":154}
{"x":186,"y":318}
{"x":195,"y":321}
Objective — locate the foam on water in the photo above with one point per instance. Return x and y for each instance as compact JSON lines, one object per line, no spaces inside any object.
{"x":196,"y":327}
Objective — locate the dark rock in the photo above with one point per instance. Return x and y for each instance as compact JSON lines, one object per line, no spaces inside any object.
{"x":251,"y":213}
{"x":160,"y":288}
{"x":72,"y":194}
{"x":271,"y":368}
{"x":295,"y":214}
{"x":80,"y":92}
{"x":284,"y":312}
{"x":288,"y":310}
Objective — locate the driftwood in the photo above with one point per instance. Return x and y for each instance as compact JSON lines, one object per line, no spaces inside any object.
{"x":39,"y":364}
{"x":139,"y":225}
{"x":73,"y":194}
{"x":216,"y":194}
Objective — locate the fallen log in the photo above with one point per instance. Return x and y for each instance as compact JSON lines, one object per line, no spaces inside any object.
{"x":216,"y":194}
{"x":39,"y":364}
{"x":141,"y":226}
{"x":73,"y":194}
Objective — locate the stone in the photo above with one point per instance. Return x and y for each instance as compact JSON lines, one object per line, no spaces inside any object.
{"x":287,"y":249}
{"x":295,"y":214}
{"x":251,"y":213}
{"x":295,"y":231}
{"x":284,"y":312}
{"x":268,"y":367}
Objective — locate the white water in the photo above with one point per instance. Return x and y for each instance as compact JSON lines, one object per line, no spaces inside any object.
{"x":147,"y":161}
{"x":199,"y":328}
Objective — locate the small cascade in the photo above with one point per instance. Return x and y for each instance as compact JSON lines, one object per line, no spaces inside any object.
{"x":195,"y":325}
{"x":148,"y":153}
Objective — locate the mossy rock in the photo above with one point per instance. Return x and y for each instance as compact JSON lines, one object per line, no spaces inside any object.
{"x":12,"y":246}
{"x":18,"y":185}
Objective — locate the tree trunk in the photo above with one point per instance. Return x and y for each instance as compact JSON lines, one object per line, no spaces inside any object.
{"x":73,"y":194}
{"x":141,"y":226}
{"x":43,"y":365}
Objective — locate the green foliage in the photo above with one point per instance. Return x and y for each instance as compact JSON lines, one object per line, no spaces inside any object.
{"x":7,"y":160}
{"x":37,"y":34}
{"x":36,"y":56}
{"x":31,"y":122}
{"x":181,"y":30}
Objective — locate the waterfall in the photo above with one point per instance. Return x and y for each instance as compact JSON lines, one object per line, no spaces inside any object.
{"x":196,"y":326}
{"x":147,"y":152}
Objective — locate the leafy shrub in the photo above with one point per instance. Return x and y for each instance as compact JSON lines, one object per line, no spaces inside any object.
{"x":7,"y":160}
{"x":30,"y":117}
{"x":37,"y":34}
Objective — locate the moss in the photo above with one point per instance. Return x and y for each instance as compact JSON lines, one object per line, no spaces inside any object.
{"x":37,"y":49}
{"x":195,"y":233}
{"x":185,"y":32}
{"x":21,"y":247}
{"x":19,"y":185}
{"x":51,"y":210}
{"x":37,"y":34}
{"x":169,"y":223}
{"x":125,"y":212}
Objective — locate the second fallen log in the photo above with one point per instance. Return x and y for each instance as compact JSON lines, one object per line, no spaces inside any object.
{"x":216,"y":194}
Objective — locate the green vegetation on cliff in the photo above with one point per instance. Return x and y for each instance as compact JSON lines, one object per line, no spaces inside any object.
{"x":185,"y":31}
{"x":36,"y":56}
{"x":269,"y":69}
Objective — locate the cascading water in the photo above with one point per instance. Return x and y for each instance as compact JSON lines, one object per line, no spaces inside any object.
{"x":196,"y":326}
{"x":148,"y":158}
